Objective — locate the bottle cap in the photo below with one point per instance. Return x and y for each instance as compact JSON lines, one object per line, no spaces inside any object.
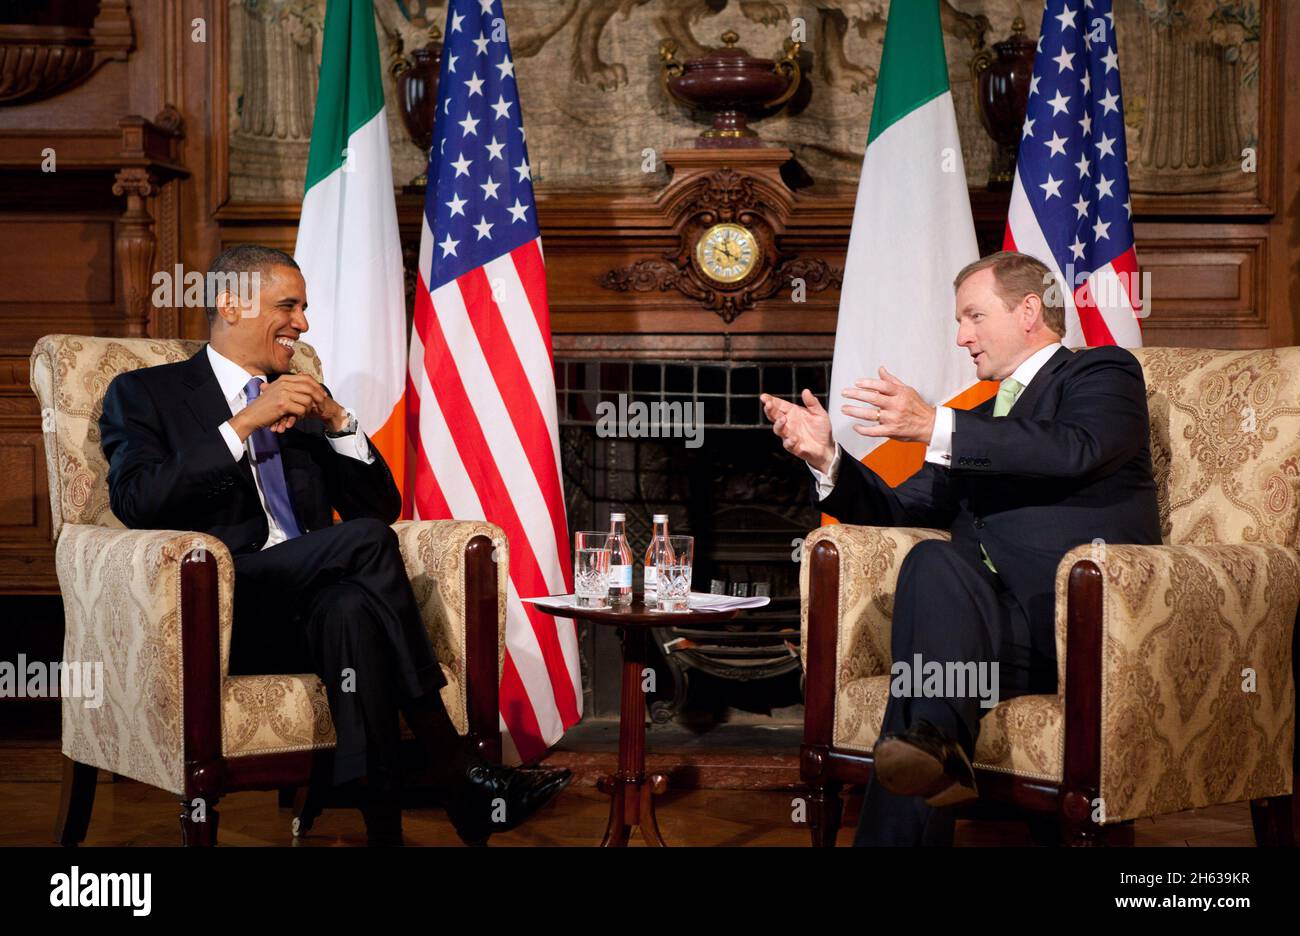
{"x":617,"y":516}
{"x":661,"y":518}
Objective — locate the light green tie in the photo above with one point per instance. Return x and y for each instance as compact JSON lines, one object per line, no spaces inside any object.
{"x":1007,"y":393}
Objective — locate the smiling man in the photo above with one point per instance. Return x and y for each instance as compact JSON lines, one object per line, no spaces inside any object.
{"x":232,"y":444}
{"x":1060,"y":457}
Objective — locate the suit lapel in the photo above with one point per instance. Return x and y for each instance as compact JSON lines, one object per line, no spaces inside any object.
{"x":1046,"y":375}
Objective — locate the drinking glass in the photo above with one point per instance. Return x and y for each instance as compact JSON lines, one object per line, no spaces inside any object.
{"x":591,"y":568}
{"x":675,"y":578}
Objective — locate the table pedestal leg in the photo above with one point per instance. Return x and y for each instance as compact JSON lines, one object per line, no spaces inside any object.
{"x":631,"y":792}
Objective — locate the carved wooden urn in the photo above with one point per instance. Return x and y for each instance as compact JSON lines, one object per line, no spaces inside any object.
{"x":733,"y":84}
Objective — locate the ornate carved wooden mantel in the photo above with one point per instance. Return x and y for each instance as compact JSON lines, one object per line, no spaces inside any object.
{"x":627,"y":281}
{"x":710,"y":187}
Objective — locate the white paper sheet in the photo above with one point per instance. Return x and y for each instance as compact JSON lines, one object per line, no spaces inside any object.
{"x":699,"y":601}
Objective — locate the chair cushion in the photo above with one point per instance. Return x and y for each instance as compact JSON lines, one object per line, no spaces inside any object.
{"x":272,"y":714}
{"x":1024,"y":735}
{"x":276,"y":714}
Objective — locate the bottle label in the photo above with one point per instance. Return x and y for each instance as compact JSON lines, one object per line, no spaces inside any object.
{"x":651,"y":578}
{"x":620,"y":576}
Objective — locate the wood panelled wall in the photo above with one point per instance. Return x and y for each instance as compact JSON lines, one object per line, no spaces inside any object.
{"x":141,"y":179}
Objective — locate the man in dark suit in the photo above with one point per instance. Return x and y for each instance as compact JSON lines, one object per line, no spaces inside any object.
{"x":1060,"y":457}
{"x":230,"y":443}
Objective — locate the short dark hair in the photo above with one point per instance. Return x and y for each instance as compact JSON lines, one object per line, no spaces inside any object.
{"x":242,"y":258}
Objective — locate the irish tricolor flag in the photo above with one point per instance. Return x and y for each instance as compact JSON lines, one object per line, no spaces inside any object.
{"x":347,"y":238}
{"x":912,"y":232}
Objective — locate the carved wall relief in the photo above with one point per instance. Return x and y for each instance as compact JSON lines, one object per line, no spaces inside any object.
{"x":275,"y":58}
{"x":588,"y":73}
{"x":1194,"y":101}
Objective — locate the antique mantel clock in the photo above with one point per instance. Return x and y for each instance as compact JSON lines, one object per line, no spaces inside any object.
{"x":727,"y":208}
{"x":727,"y":252}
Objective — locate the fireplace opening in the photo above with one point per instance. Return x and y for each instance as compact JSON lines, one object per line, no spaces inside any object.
{"x":721,"y":477}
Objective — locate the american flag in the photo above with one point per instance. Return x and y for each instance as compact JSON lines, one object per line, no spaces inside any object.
{"x":1070,"y":204}
{"x":481,"y":397}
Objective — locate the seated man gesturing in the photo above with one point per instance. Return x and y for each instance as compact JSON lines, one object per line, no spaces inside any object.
{"x":230,"y":443}
{"x":1060,"y":457}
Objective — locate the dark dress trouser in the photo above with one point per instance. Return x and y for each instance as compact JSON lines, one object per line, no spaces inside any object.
{"x":337,"y":602}
{"x":950,"y":607}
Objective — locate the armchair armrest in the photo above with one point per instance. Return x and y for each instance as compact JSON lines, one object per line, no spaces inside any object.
{"x":847,"y":578}
{"x":141,"y":603}
{"x":1189,"y":651}
{"x":458,"y":570}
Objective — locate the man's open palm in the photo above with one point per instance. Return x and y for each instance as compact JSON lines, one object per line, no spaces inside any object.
{"x":805,"y":430}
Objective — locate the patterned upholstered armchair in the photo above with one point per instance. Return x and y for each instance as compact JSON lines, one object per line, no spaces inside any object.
{"x":155,"y":606}
{"x":1176,"y":663}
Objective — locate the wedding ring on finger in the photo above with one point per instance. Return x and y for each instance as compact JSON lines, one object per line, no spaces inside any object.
{"x":855,"y":412}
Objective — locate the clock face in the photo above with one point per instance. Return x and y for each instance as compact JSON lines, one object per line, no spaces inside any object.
{"x":727,"y":252}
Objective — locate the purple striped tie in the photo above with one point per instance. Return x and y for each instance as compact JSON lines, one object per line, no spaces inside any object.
{"x":270,"y":472}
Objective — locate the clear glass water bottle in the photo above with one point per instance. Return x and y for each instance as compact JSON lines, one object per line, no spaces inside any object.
{"x":620,"y":563}
{"x":656,"y":554}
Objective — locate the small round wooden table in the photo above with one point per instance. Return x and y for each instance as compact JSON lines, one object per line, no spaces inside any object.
{"x":631,"y":792}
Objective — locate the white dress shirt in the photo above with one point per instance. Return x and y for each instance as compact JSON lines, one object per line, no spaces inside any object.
{"x":232,"y":379}
{"x":939,"y":451}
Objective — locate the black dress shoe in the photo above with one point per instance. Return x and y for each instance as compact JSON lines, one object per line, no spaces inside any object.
{"x":923,"y":761}
{"x":383,"y":817}
{"x":497,"y":799}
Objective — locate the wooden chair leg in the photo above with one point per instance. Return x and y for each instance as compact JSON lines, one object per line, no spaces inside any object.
{"x":825,"y":810}
{"x":76,"y":800}
{"x":1079,"y":832}
{"x":1274,"y":821}
{"x":1088,"y":834}
{"x":199,"y":824}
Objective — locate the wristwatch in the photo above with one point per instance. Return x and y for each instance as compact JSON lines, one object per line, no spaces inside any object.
{"x":347,"y":430}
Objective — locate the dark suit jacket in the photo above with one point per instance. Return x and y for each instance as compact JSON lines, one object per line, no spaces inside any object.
{"x":170,"y":468}
{"x":1071,"y":463}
